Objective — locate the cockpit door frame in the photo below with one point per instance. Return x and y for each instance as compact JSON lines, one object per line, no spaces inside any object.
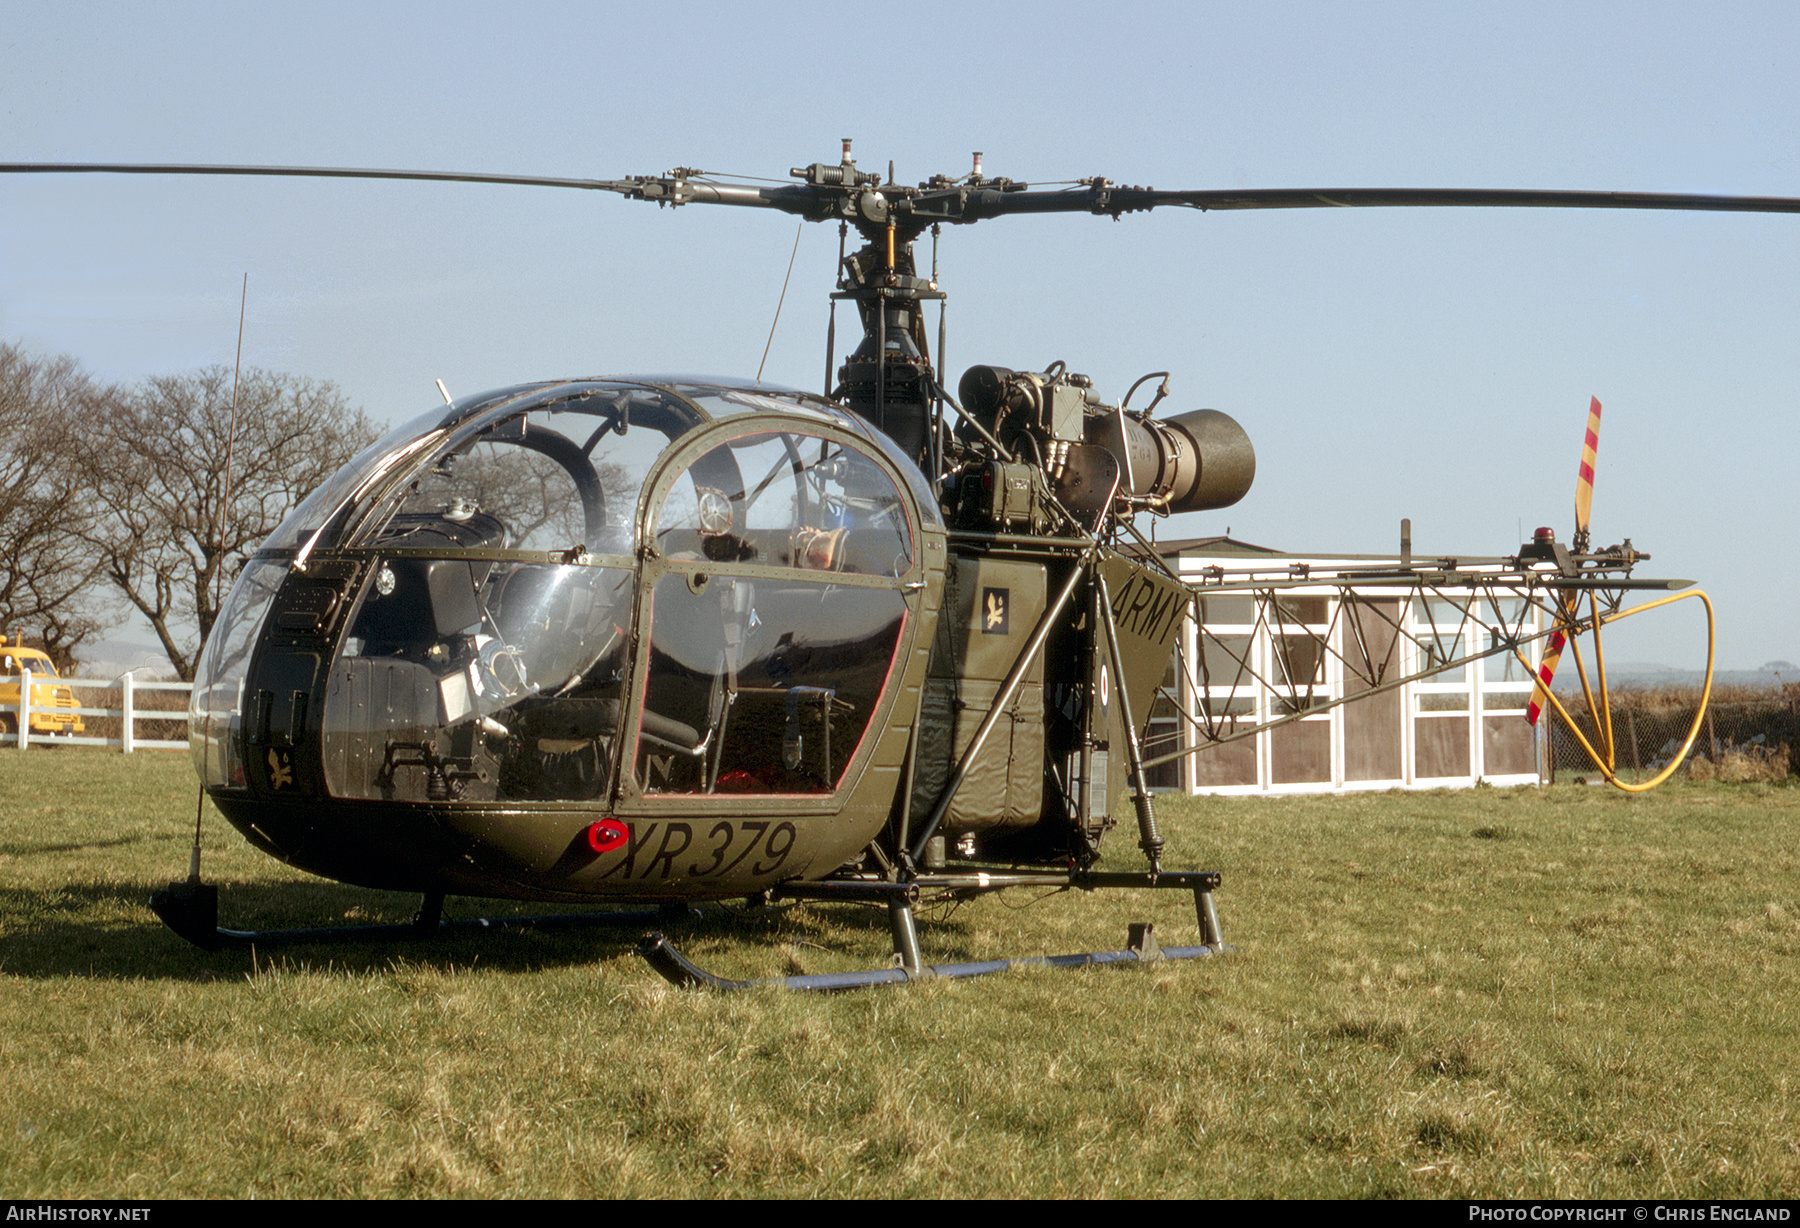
{"x":631,"y":797}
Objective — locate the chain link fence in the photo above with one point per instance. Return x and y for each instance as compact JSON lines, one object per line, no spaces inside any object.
{"x":1745,"y":735}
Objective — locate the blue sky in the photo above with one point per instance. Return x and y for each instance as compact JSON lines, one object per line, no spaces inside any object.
{"x":1387,"y":363}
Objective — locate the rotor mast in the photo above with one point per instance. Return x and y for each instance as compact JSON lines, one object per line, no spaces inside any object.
{"x":888,"y":377}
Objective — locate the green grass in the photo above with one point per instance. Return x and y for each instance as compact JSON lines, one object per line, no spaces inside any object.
{"x":1556,"y":993}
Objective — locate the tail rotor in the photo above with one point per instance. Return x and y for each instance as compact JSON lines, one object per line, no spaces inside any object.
{"x":1570,"y":624}
{"x":1567,"y":612}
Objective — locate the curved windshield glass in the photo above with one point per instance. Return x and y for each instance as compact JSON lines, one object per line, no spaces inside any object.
{"x":773,"y":636}
{"x":726,"y":402}
{"x":557,"y":473}
{"x":391,"y":449}
{"x":462,"y":678}
{"x":789,"y":499}
{"x":215,"y":709}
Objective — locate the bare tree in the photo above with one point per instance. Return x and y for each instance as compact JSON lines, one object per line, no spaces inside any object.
{"x":534,"y":496}
{"x":48,"y":583}
{"x":155,"y":459}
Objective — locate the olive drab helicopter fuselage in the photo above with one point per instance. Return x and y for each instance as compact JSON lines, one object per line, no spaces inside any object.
{"x":666,"y":639}
{"x":661,"y":640}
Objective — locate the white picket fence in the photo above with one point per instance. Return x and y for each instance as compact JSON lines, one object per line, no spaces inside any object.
{"x":128,"y":688}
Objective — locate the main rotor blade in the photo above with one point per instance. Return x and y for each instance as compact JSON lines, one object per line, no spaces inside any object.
{"x":676,"y":190}
{"x":1110,"y":199}
{"x":299,"y":172}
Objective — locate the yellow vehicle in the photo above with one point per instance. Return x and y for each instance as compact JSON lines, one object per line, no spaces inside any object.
{"x":52,"y":707}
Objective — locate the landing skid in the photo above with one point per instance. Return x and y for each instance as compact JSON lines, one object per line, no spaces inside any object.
{"x":192,"y":910}
{"x":1141,"y":945}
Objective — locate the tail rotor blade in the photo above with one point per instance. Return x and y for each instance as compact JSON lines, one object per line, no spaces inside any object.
{"x":1540,"y":694}
{"x":1584,"y":506}
{"x":1584,"y":480}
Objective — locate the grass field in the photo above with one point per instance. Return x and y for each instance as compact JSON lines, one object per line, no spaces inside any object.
{"x":1526,"y":993}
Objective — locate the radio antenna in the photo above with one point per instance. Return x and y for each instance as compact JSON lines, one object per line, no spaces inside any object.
{"x":237,"y":371}
{"x":779,"y":302}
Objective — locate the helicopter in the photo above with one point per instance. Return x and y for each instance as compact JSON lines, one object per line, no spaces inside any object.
{"x":655,"y":640}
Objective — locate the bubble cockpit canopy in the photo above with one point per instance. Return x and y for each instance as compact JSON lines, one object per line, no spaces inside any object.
{"x":479,"y":594}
